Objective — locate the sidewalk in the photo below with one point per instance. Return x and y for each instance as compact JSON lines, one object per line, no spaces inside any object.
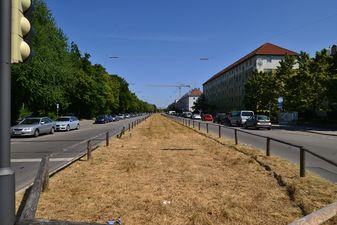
{"x":315,"y":130}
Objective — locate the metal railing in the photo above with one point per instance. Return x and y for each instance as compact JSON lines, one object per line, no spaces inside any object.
{"x":303,"y":150}
{"x":28,"y":206}
{"x":315,"y":218}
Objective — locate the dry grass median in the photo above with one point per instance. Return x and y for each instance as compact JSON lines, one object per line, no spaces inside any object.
{"x":164,"y":173}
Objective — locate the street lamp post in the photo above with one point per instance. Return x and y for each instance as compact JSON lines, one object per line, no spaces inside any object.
{"x":57,"y":110}
{"x":7,"y":176}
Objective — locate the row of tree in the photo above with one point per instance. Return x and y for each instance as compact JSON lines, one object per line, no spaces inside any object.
{"x":307,"y":85}
{"x":58,"y":73}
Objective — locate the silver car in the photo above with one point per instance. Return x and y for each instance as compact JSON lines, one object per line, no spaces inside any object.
{"x":67,"y":123}
{"x":258,"y":121}
{"x":33,"y":126}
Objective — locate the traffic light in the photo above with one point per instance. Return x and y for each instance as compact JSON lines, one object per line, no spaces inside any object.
{"x":20,"y":28}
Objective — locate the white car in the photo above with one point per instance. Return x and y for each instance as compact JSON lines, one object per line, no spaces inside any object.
{"x":67,"y":123}
{"x":196,"y":117}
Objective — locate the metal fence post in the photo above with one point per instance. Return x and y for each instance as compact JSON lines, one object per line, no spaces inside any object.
{"x":268,"y":147}
{"x":219,"y":131}
{"x":89,"y":150}
{"x":107,"y":137}
{"x":189,"y":123}
{"x":236,"y":136}
{"x":302,"y":162}
{"x":207,"y":128}
{"x":129,"y":127}
{"x":199,"y":125}
{"x":46,"y":176}
{"x":193,"y":123}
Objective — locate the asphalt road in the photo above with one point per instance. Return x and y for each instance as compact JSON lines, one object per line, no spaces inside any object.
{"x":323,"y":145}
{"x":62,"y":147}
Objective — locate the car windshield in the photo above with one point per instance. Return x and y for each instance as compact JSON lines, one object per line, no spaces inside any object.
{"x":247,"y":114}
{"x":63,"y":119}
{"x":30,"y":121}
{"x":262,"y":117}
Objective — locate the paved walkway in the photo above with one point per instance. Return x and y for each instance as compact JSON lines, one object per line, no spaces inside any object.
{"x":316,"y":130}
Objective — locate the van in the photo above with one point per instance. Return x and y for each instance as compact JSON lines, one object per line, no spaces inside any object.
{"x":238,"y":118}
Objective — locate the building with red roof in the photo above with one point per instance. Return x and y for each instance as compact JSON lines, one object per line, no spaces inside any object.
{"x":186,"y":102}
{"x":225,"y":89}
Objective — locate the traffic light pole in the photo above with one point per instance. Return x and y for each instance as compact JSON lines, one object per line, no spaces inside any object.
{"x":7,"y":178}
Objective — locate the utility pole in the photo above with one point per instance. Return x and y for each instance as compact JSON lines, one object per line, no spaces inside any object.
{"x":7,"y":177}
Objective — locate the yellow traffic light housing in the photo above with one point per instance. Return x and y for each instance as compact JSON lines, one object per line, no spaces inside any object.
{"x":20,"y":28}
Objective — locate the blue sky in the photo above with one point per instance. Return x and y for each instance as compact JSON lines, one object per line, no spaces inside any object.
{"x":160,"y":42}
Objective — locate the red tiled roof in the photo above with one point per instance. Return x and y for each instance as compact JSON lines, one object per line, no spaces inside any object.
{"x":196,"y":92}
{"x":265,"y":49}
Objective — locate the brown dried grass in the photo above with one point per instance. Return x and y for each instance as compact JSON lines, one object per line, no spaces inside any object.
{"x":163,"y":173}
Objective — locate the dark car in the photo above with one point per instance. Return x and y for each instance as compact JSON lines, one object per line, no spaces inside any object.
{"x":110,"y":118}
{"x":258,"y":121}
{"x":102,"y":119}
{"x":222,"y":118}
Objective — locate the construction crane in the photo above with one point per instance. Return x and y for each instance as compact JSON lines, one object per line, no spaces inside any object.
{"x":179,"y":86}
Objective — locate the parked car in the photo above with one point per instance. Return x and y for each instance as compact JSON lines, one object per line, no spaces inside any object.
{"x":102,"y":119}
{"x":33,"y":126}
{"x":207,"y":117}
{"x":121,"y":116}
{"x":222,"y":118}
{"x":110,"y":119}
{"x":67,"y":123}
{"x":187,"y":114}
{"x":238,"y":118}
{"x":258,"y":121}
{"x":114,"y":117}
{"x":196,"y":117}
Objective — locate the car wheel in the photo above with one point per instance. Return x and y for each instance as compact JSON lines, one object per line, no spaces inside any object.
{"x":246,"y":127}
{"x":78,"y":127}
{"x":269,"y":128}
{"x":52,"y":130}
{"x":36,"y":133}
{"x":68,"y":128}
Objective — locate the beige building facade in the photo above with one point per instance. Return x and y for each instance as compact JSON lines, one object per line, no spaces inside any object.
{"x":226,"y":89}
{"x":186,"y":102}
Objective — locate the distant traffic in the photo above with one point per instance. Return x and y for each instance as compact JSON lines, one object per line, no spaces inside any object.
{"x":243,"y":118}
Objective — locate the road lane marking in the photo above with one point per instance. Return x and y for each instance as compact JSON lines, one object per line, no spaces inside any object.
{"x":39,"y":160}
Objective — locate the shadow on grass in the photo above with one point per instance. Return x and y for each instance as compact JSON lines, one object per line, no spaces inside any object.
{"x":178,"y":149}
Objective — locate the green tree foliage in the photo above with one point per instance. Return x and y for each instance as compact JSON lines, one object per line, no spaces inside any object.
{"x":299,"y":90}
{"x":202,"y":105}
{"x":261,"y":91}
{"x":306,"y":85}
{"x":60,"y":74}
{"x":332,"y":84}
